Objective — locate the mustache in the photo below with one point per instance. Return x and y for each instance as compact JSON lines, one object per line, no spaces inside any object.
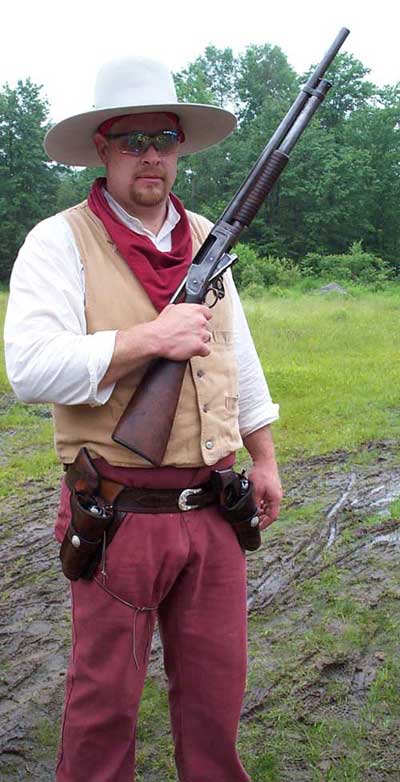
{"x":150,"y":172}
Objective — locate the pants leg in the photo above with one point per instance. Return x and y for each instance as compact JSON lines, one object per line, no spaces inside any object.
{"x":103,"y":689}
{"x":110,"y":648}
{"x":204,"y":632}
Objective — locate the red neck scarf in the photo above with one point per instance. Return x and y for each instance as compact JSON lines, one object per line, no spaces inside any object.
{"x":159,"y":273}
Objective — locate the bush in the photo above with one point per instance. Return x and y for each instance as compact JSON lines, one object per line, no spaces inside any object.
{"x":252,"y":270}
{"x":254,"y":291}
{"x":356,"y":266}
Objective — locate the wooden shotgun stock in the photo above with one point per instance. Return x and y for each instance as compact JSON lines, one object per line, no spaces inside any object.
{"x":146,"y":424}
{"x":148,"y":418}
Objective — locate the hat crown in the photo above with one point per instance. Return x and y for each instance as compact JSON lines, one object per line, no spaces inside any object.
{"x":134,"y":81}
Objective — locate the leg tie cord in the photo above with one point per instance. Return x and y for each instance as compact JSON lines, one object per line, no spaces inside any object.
{"x":136,"y":609}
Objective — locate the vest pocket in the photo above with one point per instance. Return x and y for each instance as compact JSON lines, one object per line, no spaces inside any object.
{"x":231,"y":403}
{"x":222,"y":337}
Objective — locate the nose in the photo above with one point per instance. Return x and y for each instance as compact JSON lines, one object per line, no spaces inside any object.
{"x":151,"y":155}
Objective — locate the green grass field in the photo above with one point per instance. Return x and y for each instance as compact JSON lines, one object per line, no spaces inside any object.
{"x":26,"y":434}
{"x":331,"y":362}
{"x":333,"y":365}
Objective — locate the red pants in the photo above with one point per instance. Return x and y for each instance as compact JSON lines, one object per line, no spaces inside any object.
{"x":189,"y":570}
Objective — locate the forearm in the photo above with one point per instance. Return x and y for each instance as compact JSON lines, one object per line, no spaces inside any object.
{"x":132,"y":347}
{"x":260,"y":446}
{"x":178,"y":333}
{"x":265,"y":474}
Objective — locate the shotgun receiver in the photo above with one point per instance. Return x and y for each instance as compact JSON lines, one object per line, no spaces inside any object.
{"x":146,"y":424}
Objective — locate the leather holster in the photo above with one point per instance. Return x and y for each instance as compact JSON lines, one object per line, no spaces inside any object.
{"x":94,"y":521}
{"x":237,"y":505}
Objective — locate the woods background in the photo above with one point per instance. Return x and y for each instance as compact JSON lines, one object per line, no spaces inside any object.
{"x":338,"y":197}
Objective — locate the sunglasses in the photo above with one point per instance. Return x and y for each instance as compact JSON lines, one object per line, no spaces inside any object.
{"x":135,"y":142}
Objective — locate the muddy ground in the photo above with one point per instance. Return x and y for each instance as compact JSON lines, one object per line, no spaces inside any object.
{"x":326,"y":529}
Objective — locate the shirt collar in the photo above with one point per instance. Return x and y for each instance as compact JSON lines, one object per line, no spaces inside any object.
{"x":171,"y":220}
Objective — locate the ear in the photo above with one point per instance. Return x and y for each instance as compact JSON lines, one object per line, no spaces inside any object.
{"x":102,"y":147}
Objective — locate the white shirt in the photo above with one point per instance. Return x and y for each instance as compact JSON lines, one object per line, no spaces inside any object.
{"x":49,"y":355}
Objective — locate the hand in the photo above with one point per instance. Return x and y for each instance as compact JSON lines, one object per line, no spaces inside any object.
{"x":268,"y":491}
{"x":183,"y":331}
{"x":178,"y":333}
{"x":264,"y":474}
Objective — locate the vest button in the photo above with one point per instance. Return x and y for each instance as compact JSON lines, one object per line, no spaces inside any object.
{"x":209,"y":445}
{"x":200,"y":372}
{"x":205,"y":408}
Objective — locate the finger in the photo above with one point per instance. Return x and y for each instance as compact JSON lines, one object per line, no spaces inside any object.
{"x":206,"y":311}
{"x":271,"y":513}
{"x":204,"y":351}
{"x":268,"y":512}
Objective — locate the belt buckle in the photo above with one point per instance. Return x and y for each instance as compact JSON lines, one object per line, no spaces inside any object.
{"x":182,"y":499}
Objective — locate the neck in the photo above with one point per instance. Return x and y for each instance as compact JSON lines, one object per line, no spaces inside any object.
{"x":152,"y":217}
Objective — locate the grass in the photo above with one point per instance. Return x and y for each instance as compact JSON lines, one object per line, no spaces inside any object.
{"x":333,"y":365}
{"x":315,"y":725}
{"x":26,"y":435}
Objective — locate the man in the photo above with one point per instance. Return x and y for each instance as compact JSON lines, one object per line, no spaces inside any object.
{"x":88,"y":310}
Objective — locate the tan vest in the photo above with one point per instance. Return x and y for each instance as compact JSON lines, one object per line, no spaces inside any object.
{"x":205,"y":428}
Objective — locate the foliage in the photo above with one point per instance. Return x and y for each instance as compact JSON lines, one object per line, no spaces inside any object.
{"x":210,"y":79}
{"x":343,"y":179}
{"x":74,"y":185}
{"x":357,"y":265}
{"x":28,"y":183}
{"x":264,"y":76}
{"x":253,"y":270}
{"x":342,"y":182}
{"x":351,"y":91}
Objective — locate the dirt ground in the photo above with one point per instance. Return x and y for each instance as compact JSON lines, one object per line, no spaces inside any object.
{"x":327,"y":502}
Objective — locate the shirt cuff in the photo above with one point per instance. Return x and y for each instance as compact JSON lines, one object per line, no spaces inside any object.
{"x":259,"y":418}
{"x":100,"y":348}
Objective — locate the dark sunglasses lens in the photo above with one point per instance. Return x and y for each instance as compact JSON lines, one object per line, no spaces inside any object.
{"x":166,"y":141}
{"x":136,"y":142}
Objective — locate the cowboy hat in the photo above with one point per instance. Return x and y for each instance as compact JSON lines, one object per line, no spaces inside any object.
{"x":135,"y":85}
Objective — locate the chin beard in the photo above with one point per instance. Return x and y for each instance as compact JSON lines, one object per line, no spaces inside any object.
{"x":152,"y":196}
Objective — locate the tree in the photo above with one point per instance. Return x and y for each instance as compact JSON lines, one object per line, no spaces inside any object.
{"x":74,"y":185}
{"x":210,"y":78}
{"x":377,"y":130}
{"x":28,"y":182}
{"x":342,"y":184}
{"x":343,"y":180}
{"x":350,"y":91}
{"x":264,"y":78}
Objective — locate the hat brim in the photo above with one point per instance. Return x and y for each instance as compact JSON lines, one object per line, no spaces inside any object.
{"x":71,"y":140}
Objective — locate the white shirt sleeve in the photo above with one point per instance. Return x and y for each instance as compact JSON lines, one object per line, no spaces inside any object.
{"x":49,"y":355}
{"x":256,"y":408}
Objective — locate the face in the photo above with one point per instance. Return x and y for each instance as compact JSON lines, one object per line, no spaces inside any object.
{"x":139,"y":182}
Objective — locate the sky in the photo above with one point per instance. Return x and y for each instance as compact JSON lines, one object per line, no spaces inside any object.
{"x":62,"y":45}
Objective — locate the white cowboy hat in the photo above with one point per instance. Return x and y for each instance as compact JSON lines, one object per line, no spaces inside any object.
{"x":135,"y":85}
